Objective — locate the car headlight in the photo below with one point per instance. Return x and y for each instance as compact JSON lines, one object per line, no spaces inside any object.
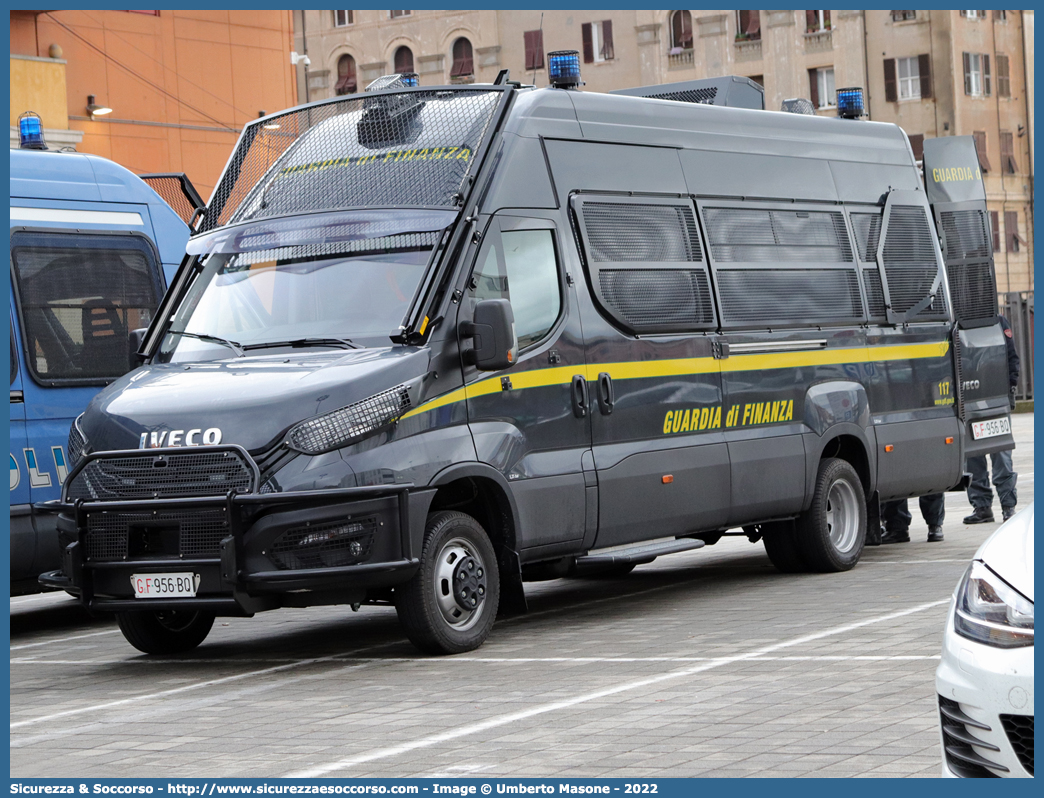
{"x":349,"y":424}
{"x":991,"y":611}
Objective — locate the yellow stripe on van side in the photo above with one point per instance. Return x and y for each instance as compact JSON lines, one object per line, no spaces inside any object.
{"x":645,"y":369}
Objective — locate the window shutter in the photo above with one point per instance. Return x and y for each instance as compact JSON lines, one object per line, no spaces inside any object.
{"x":980,"y":149}
{"x":967,"y":73}
{"x":891,"y":92}
{"x":534,"y":49}
{"x":1008,"y":164}
{"x":1003,"y":77}
{"x":1011,"y":230}
{"x":924,"y":66}
{"x":995,"y":219}
{"x":811,"y":20}
{"x":813,"y":87}
{"x":982,"y":15}
{"x":686,"y":29}
{"x":608,"y":53}
{"x":826,"y":19}
{"x":985,"y":74}
{"x":917,"y":145}
{"x":585,"y":30}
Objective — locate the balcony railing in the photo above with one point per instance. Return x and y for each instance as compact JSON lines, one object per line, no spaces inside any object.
{"x":818,"y":41}
{"x":677,"y":59}
{"x":748,"y":49}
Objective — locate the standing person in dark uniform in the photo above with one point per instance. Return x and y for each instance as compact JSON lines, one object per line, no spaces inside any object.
{"x":896,"y":518}
{"x":979,"y":493}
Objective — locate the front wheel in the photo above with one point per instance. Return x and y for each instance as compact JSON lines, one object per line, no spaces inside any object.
{"x":832,"y":532}
{"x":449,"y":605}
{"x":166,"y":631}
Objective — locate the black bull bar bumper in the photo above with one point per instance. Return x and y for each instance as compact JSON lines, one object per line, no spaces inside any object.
{"x":278,"y":549}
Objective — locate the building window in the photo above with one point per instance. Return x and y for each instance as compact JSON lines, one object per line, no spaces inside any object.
{"x":681,"y":31}
{"x":759,"y":79}
{"x":902,"y":16}
{"x":821,"y":86}
{"x":346,"y":80}
{"x":1000,"y":16}
{"x":1011,"y":231}
{"x":974,"y":14}
{"x":343,"y":19}
{"x":816,"y":21}
{"x":398,"y":14}
{"x":1007,"y":142}
{"x":977,"y":74}
{"x":463,"y":68}
{"x":1003,"y":77}
{"x":908,"y":78}
{"x":748,"y":25}
{"x":995,"y":220}
{"x":534,"y":41}
{"x":598,"y":41}
{"x":980,"y":149}
{"x":404,"y":60}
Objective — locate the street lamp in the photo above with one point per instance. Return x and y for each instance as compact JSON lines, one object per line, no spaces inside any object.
{"x":96,"y":110}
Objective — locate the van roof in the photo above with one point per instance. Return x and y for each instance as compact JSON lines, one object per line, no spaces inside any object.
{"x":641,"y":120}
{"x":78,"y":177}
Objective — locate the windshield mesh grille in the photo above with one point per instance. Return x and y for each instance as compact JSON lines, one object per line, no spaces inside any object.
{"x":411,"y":148}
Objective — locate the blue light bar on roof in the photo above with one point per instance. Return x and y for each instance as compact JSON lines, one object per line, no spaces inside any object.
{"x":563,"y":68}
{"x":850,"y":103}
{"x":30,"y":132}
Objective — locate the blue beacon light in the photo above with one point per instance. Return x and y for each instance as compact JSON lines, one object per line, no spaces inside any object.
{"x":30,"y":132}
{"x":850,"y":103}
{"x":563,"y":68}
{"x":409,"y":79}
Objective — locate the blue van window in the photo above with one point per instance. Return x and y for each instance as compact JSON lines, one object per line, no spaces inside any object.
{"x":79,"y":297}
{"x":14,"y":356}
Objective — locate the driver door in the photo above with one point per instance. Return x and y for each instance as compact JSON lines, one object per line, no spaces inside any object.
{"x":530,"y":421}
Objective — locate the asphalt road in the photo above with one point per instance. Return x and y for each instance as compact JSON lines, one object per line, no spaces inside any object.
{"x":706,"y":663}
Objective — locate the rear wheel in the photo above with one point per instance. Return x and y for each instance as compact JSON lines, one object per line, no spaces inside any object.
{"x":166,"y":631}
{"x":449,"y":605}
{"x":832,"y":532}
{"x":781,"y":545}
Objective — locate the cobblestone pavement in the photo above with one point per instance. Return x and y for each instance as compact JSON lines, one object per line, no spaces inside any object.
{"x":706,"y":663}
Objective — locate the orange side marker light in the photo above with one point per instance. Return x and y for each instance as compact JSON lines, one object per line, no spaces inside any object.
{"x":889,"y":447}
{"x":949,"y":441}
{"x":667,"y":479}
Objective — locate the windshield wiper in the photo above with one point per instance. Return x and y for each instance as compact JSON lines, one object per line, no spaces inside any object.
{"x":297,"y":343}
{"x":214,"y":339}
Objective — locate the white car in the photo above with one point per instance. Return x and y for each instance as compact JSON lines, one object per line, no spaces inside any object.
{"x":985,"y":678}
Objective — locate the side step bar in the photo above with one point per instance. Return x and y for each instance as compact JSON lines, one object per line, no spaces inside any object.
{"x":640,"y":554}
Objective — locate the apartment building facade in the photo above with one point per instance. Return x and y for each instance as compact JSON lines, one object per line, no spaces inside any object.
{"x":935,"y":73}
{"x":155,"y":91}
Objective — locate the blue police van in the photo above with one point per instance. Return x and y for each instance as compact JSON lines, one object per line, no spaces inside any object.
{"x":92,"y":250}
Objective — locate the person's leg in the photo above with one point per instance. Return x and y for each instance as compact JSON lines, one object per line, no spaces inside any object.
{"x":933,"y":510}
{"x":1004,"y":479}
{"x":979,"y":493}
{"x":895,"y":517}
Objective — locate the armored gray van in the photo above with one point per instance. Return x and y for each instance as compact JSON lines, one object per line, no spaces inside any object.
{"x":429,"y":343}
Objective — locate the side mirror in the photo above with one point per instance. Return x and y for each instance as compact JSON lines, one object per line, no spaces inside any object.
{"x":134,"y":342}
{"x":493,"y":331}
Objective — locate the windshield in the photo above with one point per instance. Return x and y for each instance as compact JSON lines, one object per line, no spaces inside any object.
{"x":332,"y":292}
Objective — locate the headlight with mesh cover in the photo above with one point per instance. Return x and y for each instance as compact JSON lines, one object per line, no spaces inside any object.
{"x":349,"y":424}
